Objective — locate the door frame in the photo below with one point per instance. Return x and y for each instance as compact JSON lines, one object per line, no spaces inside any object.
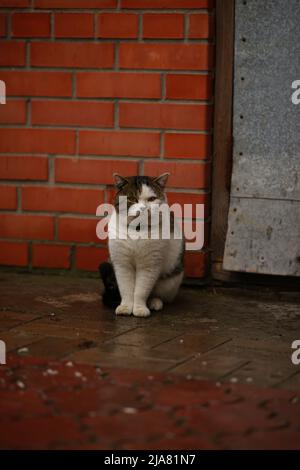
{"x":222,"y":139}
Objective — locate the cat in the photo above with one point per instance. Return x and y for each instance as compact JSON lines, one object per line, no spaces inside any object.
{"x":148,"y":271}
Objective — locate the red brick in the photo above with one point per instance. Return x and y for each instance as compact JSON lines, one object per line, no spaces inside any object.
{"x":15,"y":404}
{"x":187,"y":146}
{"x":187,"y":198}
{"x":84,"y":401}
{"x":189,"y":442}
{"x":110,"y":195}
{"x":12,"y":53}
{"x":117,"y":25}
{"x":166,"y":26}
{"x":166,"y":56}
{"x":72,"y":54}
{"x":196,"y":226}
{"x":65,"y":4}
{"x":182,"y":175}
{"x":26,"y":83}
{"x":74,"y":25}
{"x":133,"y":144}
{"x":172,"y":4}
{"x":30,"y":25}
{"x":2,"y":25}
{"x":118,"y":85}
{"x":143,"y":423}
{"x":8,"y":197}
{"x":88,"y":258}
{"x":79,"y":230}
{"x":196,"y":264}
{"x":285,"y":440}
{"x":23,"y":168}
{"x":186,"y":396}
{"x":13,"y":254}
{"x":165,"y":116}
{"x":14,"y":112}
{"x":14,"y":3}
{"x":45,"y":431}
{"x":190,"y":198}
{"x":41,"y":198}
{"x":188,"y":87}
{"x":29,"y":227}
{"x":96,"y":171}
{"x":50,"y":256}
{"x":37,"y":141}
{"x":201,"y":26}
{"x":73,"y":113}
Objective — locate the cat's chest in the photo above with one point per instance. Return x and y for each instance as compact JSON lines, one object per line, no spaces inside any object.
{"x":137,"y":248}
{"x":162,"y":253}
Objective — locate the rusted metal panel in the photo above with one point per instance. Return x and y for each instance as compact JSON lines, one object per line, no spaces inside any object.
{"x":265,"y":188}
{"x":266,"y":122}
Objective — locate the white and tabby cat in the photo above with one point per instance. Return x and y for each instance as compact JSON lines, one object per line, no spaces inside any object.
{"x":148,"y":271}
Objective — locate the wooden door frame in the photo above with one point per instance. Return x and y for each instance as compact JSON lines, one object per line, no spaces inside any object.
{"x":222,"y":141}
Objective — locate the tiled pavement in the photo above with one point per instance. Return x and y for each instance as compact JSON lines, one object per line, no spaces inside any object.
{"x":79,"y":377}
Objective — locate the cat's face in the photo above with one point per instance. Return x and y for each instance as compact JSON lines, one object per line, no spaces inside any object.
{"x":143,"y":193}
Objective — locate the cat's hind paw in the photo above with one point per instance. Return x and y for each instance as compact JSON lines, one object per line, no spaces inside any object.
{"x":141,"y":311}
{"x":123,"y":309}
{"x":155,"y":304}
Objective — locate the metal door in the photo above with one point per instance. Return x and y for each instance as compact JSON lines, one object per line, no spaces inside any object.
{"x":264,"y":215}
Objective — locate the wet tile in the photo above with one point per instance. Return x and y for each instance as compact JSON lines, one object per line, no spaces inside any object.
{"x":56,"y":348}
{"x":10,"y":319}
{"x":262,"y":373}
{"x":191,"y":345}
{"x":212,"y":367}
{"x":119,"y":356}
{"x":56,"y":330}
{"x":147,"y":337}
{"x":53,"y":310}
{"x":15,"y":339}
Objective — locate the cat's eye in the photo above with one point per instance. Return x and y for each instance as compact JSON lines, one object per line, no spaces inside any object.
{"x":152,"y":198}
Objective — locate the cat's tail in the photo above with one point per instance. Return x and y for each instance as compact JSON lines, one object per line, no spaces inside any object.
{"x":111,"y":295}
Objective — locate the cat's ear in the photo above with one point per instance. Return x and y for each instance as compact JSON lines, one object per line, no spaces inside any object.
{"x":162,"y":179}
{"x":119,"y":180}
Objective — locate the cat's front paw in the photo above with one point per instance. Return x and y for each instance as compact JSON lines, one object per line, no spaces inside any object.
{"x":155,"y":304}
{"x":141,"y":311}
{"x":123,"y":309}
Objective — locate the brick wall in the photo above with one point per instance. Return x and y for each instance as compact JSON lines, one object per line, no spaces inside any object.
{"x":94,"y":87}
